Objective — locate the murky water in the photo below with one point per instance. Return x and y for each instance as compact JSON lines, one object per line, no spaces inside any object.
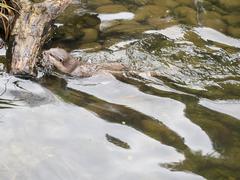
{"x":183,"y":123}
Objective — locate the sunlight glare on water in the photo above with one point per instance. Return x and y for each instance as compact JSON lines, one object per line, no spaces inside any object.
{"x":168,"y":111}
{"x":173,"y":114}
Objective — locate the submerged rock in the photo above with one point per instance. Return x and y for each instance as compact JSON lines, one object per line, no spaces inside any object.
{"x":89,"y":47}
{"x":148,"y":11}
{"x":111,"y":9}
{"x":99,"y":2}
{"x":186,"y":15}
{"x":234,"y":31}
{"x":128,"y":27}
{"x":232,"y":19}
{"x":229,"y":4}
{"x":138,"y":2}
{"x":90,"y":35}
{"x":186,"y":2}
{"x":214,"y":20}
{"x":169,"y":3}
{"x":161,"y":23}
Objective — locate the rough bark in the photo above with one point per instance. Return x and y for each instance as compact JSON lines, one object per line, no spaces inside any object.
{"x":30,"y":32}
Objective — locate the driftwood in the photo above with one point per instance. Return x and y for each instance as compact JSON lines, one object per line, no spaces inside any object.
{"x":30,"y":32}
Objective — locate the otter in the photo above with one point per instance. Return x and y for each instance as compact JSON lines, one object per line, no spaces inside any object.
{"x":67,"y":64}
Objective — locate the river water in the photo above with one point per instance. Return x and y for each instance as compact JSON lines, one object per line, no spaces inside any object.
{"x":181,"y":123}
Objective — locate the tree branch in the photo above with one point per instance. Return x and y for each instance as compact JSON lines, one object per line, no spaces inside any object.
{"x":30,"y":32}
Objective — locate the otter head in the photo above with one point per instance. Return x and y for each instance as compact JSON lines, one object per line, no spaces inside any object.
{"x":59,"y":58}
{"x":54,"y":57}
{"x":56,"y":54}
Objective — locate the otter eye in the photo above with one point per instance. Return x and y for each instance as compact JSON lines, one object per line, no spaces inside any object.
{"x":57,"y":58}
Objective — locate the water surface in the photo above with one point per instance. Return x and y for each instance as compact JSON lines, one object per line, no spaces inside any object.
{"x":181,"y":123}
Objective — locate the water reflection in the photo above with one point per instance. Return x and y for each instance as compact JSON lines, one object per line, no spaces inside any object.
{"x":60,"y":140}
{"x":221,"y":128}
{"x":226,"y":107}
{"x":182,"y":122}
{"x":165,"y":110}
{"x":116,"y":113}
{"x":17,"y":92}
{"x":208,"y":120}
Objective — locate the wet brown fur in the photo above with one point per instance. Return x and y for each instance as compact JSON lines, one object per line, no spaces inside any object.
{"x":65,"y":63}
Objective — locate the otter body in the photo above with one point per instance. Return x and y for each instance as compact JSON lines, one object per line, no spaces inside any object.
{"x":65,"y":63}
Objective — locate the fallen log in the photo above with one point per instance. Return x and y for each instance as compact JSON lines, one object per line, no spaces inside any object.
{"x":30,"y":31}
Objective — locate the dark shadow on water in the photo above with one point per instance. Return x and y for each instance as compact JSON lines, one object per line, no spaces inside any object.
{"x":222,"y":129}
{"x":116,"y":113}
{"x":5,"y":104}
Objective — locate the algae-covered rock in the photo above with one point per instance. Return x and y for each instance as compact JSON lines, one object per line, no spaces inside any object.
{"x":183,"y":11}
{"x":186,"y":14}
{"x":108,"y":24}
{"x":90,"y":20}
{"x":234,"y":31}
{"x":168,"y":3}
{"x":229,"y":4}
{"x":90,"y":35}
{"x":161,"y":23}
{"x":98,"y":3}
{"x":211,"y":15}
{"x":91,"y":47}
{"x":137,"y":2}
{"x":111,"y":41}
{"x":211,"y":5}
{"x":70,"y":12}
{"x":195,"y":39}
{"x":217,"y":24}
{"x":128,"y":27}
{"x":232,"y":19}
{"x":115,"y":8}
{"x":71,"y":28}
{"x":148,"y":11}
{"x":186,"y":2}
{"x":68,"y":32}
{"x":214,"y":20}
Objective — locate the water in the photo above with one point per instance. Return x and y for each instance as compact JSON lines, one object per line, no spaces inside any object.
{"x":181,"y":123}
